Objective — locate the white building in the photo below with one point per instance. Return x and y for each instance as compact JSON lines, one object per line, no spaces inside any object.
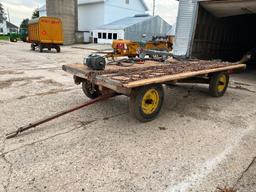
{"x":132,"y":28}
{"x":7,"y":27}
{"x":94,"y":13}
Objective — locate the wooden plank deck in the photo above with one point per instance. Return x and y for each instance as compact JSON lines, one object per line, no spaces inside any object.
{"x":121,"y":78}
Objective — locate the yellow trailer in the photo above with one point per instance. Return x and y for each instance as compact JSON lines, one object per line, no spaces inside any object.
{"x":45,"y":32}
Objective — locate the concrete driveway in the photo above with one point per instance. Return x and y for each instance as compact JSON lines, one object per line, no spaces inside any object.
{"x":198,"y":143}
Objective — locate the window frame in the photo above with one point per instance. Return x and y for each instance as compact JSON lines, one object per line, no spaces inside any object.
{"x":104,"y":35}
{"x":115,"y":36}
{"x":99,"y":35}
{"x":110,"y":36}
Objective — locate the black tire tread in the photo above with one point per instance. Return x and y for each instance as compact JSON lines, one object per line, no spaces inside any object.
{"x":214,"y":83}
{"x":135,"y":103}
{"x":90,"y":95}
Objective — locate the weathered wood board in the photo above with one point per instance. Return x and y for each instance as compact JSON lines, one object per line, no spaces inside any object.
{"x":121,"y":79}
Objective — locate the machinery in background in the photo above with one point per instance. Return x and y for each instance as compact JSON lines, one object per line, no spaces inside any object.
{"x":45,"y":33}
{"x":14,"y":37}
{"x":23,"y":33}
{"x":158,"y":47}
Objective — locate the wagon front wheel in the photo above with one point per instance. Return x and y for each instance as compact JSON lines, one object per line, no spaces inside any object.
{"x":90,"y":90}
{"x":41,"y":47}
{"x":58,"y":49}
{"x":146,"y":102}
{"x":218,"y":84}
{"x":33,"y":47}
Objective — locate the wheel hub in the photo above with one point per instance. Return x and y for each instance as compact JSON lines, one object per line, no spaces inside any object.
{"x":222,"y":83}
{"x":150,"y":101}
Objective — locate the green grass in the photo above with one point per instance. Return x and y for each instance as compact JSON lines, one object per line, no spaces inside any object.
{"x":4,"y":37}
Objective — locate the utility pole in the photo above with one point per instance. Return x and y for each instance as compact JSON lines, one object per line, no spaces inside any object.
{"x":154,"y":7}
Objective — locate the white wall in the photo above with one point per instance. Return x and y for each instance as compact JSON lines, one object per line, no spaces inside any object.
{"x":90,"y":16}
{"x":94,"y":15}
{"x":4,"y":27}
{"x":118,"y":9}
{"x":120,"y":35}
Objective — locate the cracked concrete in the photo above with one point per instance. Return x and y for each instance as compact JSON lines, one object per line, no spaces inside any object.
{"x":247,"y":181}
{"x":198,"y":143}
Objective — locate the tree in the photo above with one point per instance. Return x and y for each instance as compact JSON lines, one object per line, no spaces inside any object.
{"x":24,"y":24}
{"x":2,"y":13}
{"x":35,"y":14}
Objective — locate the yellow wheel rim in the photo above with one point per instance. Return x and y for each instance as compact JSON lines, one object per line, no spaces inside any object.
{"x":222,"y":83}
{"x":150,"y":101}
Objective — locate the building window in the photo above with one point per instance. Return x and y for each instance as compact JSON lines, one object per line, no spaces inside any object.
{"x":110,"y":36}
{"x":104,"y":35}
{"x":91,"y":34}
{"x":114,"y":35}
{"x":1,"y":21}
{"x":1,"y":30}
{"x":99,"y":35}
{"x":127,"y":1}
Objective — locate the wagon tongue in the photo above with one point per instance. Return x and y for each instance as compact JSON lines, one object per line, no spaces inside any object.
{"x":50,"y":118}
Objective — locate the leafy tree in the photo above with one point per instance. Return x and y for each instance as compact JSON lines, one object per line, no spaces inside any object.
{"x":24,"y":23}
{"x":2,"y":13}
{"x":35,"y":14}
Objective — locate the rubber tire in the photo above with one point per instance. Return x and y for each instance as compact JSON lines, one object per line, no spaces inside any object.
{"x":136,"y":100}
{"x":58,"y":49}
{"x":88,"y":93}
{"x":33,"y":48}
{"x":213,"y":90}
{"x":41,"y":47}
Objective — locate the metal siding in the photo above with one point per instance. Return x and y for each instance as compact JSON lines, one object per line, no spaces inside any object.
{"x":185,"y":25}
{"x":125,"y":23}
{"x":155,"y":26}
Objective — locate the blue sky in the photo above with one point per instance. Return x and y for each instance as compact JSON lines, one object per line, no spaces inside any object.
{"x":20,"y":9}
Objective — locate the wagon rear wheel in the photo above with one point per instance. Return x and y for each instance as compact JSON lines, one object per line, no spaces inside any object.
{"x":41,"y":47}
{"x":33,"y":47}
{"x":218,"y":84}
{"x":146,"y":102}
{"x":90,"y":90}
{"x":58,"y":49}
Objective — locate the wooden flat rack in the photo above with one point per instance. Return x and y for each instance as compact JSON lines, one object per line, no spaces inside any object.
{"x":122,"y":79}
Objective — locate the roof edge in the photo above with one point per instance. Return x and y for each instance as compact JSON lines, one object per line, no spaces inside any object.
{"x":145,"y":5}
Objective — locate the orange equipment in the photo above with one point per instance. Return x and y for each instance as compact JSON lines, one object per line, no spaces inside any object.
{"x":132,"y":49}
{"x":45,"y":32}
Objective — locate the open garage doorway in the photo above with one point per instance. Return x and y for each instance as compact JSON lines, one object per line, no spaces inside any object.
{"x":226,"y":30}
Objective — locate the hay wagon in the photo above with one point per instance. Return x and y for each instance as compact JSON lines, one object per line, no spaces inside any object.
{"x":143,"y":83}
{"x":45,"y":33}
